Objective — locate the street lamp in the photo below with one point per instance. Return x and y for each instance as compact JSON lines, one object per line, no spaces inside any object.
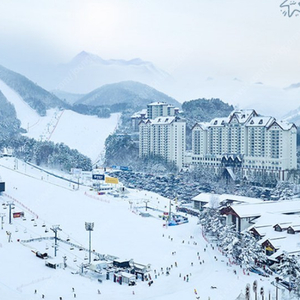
{"x":146,"y":202}
{"x":89,"y":226}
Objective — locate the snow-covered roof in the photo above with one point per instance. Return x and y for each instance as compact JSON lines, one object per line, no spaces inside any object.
{"x":157,"y":103}
{"x":127,"y":275}
{"x":243,"y":114}
{"x":139,"y":113}
{"x":218,"y":122}
{"x":163,"y":120}
{"x":276,"y":207}
{"x":202,"y":125}
{"x":284,"y":124}
{"x":260,"y":121}
{"x":206,"y":197}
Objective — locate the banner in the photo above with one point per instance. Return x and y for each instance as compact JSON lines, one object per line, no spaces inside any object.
{"x":111,"y":180}
{"x":18,"y":214}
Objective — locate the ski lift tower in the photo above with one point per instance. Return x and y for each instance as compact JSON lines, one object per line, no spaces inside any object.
{"x":89,"y":226}
{"x":55,"y":228}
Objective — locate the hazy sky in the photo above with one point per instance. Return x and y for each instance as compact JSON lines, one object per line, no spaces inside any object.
{"x":192,"y":40}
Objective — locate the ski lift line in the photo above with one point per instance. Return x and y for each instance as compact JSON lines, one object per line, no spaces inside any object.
{"x":69,"y":189}
{"x":52,"y":174}
{"x":58,"y":119}
{"x":20,"y":203}
{"x":102,"y":256}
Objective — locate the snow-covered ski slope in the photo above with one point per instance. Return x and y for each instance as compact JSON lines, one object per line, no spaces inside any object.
{"x":119,"y":230}
{"x":87,"y":134}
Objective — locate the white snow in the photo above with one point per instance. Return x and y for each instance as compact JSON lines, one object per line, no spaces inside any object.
{"x":87,"y":134}
{"x":118,"y":231}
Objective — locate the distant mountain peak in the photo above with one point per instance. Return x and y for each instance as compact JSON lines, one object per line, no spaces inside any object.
{"x":293,"y":86}
{"x":87,"y":71}
{"x":83,"y":55}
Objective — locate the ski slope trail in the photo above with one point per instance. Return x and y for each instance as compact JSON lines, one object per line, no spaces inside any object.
{"x":85,"y":133}
{"x":119,"y":231}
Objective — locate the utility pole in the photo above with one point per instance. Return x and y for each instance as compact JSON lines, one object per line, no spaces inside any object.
{"x":2,"y":215}
{"x":55,"y":228}
{"x":89,"y":226}
{"x":9,"y":204}
{"x":255,"y":289}
{"x":169,"y":216}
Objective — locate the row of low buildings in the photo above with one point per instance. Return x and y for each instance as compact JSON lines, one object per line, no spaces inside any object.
{"x":275,"y":224}
{"x":244,"y":142}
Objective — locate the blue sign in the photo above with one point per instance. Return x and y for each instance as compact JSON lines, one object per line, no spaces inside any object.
{"x":98,"y":176}
{"x":123,"y":168}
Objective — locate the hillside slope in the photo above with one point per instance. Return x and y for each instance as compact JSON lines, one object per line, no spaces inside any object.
{"x":35,"y":96}
{"x":9,"y":124}
{"x":130,"y":93}
{"x":87,"y":134}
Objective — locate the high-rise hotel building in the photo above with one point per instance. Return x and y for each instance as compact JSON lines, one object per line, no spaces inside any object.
{"x":246,"y":140}
{"x":162,"y":134}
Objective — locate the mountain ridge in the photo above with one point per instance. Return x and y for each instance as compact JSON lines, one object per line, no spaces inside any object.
{"x":137,"y":94}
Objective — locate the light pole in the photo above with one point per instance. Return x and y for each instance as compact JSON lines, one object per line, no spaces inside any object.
{"x":146,"y":202}
{"x":9,"y":204}
{"x":277,"y":279}
{"x":55,"y":228}
{"x":89,"y":226}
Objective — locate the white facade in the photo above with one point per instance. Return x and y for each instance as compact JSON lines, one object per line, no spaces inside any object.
{"x":160,"y":109}
{"x":258,"y":143}
{"x":165,"y":137}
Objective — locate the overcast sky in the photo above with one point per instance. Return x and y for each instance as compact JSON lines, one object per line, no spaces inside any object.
{"x":252,"y":40}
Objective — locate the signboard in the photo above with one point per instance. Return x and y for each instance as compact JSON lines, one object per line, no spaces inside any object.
{"x":98,"y":176}
{"x":76,"y":171}
{"x":18,"y":214}
{"x":111,"y":180}
{"x":124,"y":168}
{"x":2,"y":186}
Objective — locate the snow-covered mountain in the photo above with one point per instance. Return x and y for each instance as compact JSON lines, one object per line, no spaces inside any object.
{"x":36,"y":97}
{"x":87,"y":71}
{"x":87,"y":134}
{"x":294,"y":115}
{"x":134,"y":94}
